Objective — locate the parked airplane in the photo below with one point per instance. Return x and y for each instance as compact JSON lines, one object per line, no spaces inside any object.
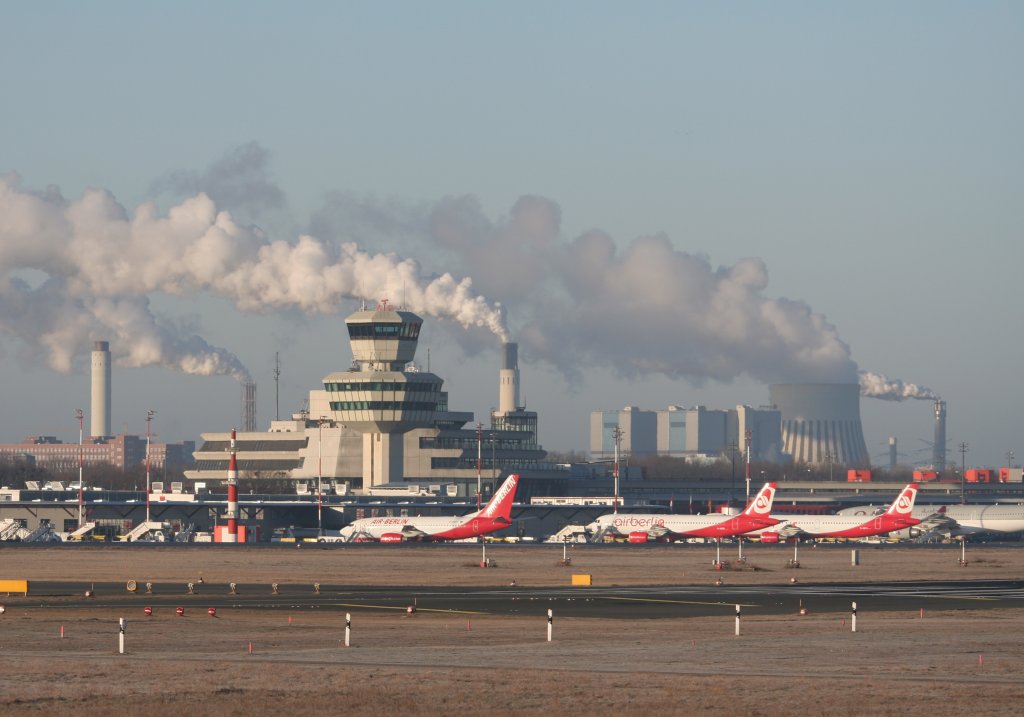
{"x":497,"y":514}
{"x":641,"y":528}
{"x":957,"y":520}
{"x":897,"y":517}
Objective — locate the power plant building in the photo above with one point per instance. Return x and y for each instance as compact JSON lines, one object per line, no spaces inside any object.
{"x":697,"y":432}
{"x":635,"y":430}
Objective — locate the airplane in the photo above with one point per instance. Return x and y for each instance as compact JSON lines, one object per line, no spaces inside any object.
{"x":497,"y":514}
{"x":640,"y":528}
{"x":960,"y":520}
{"x":897,"y":517}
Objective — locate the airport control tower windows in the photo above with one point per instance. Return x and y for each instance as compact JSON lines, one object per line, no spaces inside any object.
{"x":375,"y":330}
{"x":382,"y":386}
{"x":382,"y":406}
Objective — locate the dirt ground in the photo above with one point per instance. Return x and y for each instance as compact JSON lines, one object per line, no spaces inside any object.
{"x":954,"y":661}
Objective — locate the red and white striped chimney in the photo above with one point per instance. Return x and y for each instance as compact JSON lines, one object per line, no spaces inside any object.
{"x":232,"y":515}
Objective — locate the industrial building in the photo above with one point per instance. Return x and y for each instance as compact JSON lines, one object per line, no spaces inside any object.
{"x":121,"y":452}
{"x":100,"y":447}
{"x":696,"y":433}
{"x":384,"y":426}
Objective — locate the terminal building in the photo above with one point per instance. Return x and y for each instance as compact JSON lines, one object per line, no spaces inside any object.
{"x":384,"y":427}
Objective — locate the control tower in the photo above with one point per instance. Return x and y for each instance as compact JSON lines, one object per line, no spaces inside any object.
{"x":384,"y":395}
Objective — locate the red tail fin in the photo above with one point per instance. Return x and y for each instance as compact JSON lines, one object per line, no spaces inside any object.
{"x":761,"y":505}
{"x":500,"y":504}
{"x":904,"y":503}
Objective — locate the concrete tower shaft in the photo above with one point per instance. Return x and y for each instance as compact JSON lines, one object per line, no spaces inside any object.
{"x":100,"y":412}
{"x":508,"y":378}
{"x":821,"y":423}
{"x":939,"y":444}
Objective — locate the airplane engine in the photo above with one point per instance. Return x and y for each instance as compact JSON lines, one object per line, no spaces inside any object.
{"x":915,"y":532}
{"x":638,"y":537}
{"x":391,"y":538}
{"x":769,"y":537}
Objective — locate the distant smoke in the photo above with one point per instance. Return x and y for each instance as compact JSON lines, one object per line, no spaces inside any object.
{"x":874,"y":385}
{"x":238,"y":180}
{"x":97,"y":265}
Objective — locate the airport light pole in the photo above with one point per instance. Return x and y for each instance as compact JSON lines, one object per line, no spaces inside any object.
{"x":963,"y":472}
{"x":748,"y":466}
{"x":80,"y":415}
{"x":479,"y":451}
{"x":320,"y":477}
{"x":149,"y":417}
{"x":617,"y":435}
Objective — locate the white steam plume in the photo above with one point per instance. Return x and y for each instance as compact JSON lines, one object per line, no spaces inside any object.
{"x":873,"y":385}
{"x":101,"y":264}
{"x":645,"y":308}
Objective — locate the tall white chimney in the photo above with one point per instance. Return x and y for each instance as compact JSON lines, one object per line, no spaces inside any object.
{"x":508,"y":379}
{"x":100,"y":417}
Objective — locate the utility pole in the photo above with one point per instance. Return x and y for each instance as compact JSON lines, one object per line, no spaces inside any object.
{"x":748,"y":467}
{"x":617,"y":435}
{"x":80,"y":415}
{"x":149,"y":417}
{"x":963,"y":472}
{"x":320,"y":477}
{"x":479,"y":451}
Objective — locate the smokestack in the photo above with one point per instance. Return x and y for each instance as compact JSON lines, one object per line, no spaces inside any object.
{"x":249,"y":406}
{"x":892,"y":453}
{"x":508,"y":378}
{"x":821,"y":422}
{"x":939,"y":444}
{"x":100,"y":417}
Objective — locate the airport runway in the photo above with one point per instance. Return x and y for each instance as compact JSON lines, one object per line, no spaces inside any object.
{"x":598,"y":602}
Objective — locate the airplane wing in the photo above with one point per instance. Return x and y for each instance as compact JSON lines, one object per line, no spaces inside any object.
{"x":658,"y":531}
{"x":786,"y":530}
{"x":936,"y":522}
{"x":411,"y":532}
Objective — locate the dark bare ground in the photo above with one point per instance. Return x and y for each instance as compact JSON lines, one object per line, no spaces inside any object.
{"x":948,"y":662}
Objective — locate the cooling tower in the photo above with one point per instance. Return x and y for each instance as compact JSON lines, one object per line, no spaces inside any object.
{"x":100,"y":411}
{"x":508,"y":378}
{"x":821,"y":422}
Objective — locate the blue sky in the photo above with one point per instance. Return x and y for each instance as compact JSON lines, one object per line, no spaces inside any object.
{"x":869,"y":155}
